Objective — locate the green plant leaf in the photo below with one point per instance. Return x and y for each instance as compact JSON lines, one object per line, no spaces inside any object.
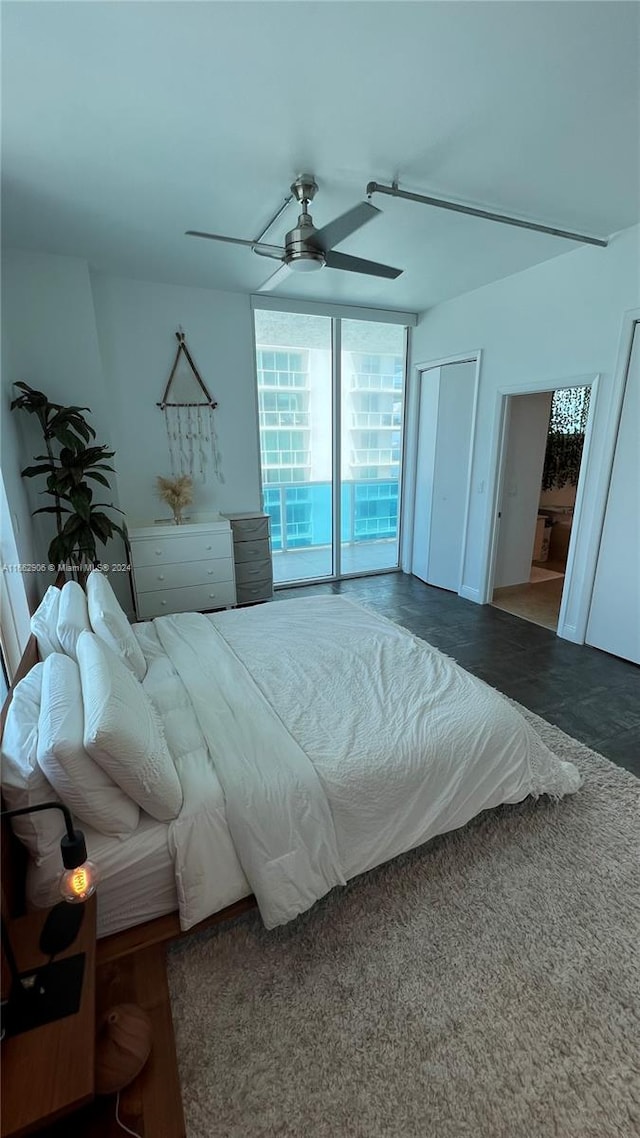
{"x":32,"y":471}
{"x":67,"y":414}
{"x":72,"y":525}
{"x":51,"y":510}
{"x":102,"y":526}
{"x":32,"y":400}
{"x":80,"y":499}
{"x":98,"y":477}
{"x":108,"y":506}
{"x":59,"y":550}
{"x":67,"y":438}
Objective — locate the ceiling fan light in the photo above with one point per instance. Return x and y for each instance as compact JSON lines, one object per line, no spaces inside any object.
{"x":306,"y":262}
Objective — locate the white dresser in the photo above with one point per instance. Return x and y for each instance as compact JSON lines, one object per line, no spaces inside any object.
{"x":252,"y":555}
{"x":186,"y":568}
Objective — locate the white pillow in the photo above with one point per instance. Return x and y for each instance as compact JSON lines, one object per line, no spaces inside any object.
{"x":73,"y":617}
{"x":44,"y":623}
{"x":23,"y":783}
{"x":122,"y":731}
{"x":110,"y":623}
{"x":82,"y":785}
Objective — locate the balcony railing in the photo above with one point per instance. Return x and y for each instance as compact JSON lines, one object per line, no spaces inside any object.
{"x":301,"y":512}
{"x":364,"y":381}
{"x":372,"y":456}
{"x":284,"y":418}
{"x":292,"y":381}
{"x":272,"y":458}
{"x":363,"y":420}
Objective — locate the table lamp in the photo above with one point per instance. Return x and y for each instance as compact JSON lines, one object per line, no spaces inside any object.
{"x":54,"y":990}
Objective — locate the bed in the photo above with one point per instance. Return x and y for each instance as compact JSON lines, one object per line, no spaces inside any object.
{"x":313,"y":740}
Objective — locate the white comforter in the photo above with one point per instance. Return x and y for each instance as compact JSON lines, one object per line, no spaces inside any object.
{"x":339,"y":741}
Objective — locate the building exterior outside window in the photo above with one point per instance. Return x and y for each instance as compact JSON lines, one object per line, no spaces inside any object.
{"x":293,"y":357}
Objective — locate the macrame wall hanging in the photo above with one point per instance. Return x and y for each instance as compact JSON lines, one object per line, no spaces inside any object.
{"x":188,"y":411}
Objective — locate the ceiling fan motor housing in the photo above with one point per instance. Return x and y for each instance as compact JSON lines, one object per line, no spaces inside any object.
{"x":300,"y":253}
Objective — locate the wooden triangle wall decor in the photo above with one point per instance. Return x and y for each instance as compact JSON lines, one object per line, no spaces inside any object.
{"x":179,"y":380}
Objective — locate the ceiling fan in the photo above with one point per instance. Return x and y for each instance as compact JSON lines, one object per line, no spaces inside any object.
{"x":306,"y":248}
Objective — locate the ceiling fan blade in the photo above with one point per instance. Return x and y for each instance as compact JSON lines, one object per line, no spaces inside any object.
{"x":341,"y":227}
{"x":357,"y":265}
{"x":257,"y":246}
{"x":275,"y":279}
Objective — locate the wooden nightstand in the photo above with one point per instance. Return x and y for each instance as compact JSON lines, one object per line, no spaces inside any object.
{"x":49,"y":1071}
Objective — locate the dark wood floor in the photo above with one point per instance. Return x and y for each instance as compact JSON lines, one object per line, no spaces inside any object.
{"x":592,"y":696}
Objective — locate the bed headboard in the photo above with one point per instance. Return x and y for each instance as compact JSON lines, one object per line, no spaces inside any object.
{"x":14,"y":855}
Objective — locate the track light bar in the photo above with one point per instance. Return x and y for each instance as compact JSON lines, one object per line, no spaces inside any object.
{"x":441,"y":203}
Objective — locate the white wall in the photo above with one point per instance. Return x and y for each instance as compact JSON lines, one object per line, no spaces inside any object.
{"x":108,"y":343}
{"x":49,"y":326}
{"x":524,"y":462}
{"x":12,"y":454}
{"x":557,"y":320}
{"x":137,"y":322}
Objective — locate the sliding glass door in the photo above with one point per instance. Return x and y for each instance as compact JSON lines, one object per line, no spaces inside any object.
{"x":372,"y":390}
{"x":295,"y":400}
{"x":330,"y":400}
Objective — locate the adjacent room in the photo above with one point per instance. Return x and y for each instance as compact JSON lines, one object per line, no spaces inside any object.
{"x":320,"y":590}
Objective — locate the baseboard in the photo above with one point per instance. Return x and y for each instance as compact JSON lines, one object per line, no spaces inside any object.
{"x":570,"y":632}
{"x":470,"y":594}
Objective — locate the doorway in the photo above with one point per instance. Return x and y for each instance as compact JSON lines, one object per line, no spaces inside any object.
{"x":543,"y":452}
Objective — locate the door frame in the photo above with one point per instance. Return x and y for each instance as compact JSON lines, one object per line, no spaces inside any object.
{"x":412,"y":403}
{"x":587,"y":519}
{"x":630,"y":329}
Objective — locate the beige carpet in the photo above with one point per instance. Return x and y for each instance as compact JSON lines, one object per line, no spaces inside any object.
{"x":486,"y":985}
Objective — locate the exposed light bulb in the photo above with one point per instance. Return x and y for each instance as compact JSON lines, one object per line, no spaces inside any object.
{"x":78,"y":884}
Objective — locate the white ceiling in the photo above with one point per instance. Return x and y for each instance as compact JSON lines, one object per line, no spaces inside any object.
{"x":126,"y":123}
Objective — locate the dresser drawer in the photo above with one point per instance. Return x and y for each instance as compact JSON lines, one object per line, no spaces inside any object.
{"x":181,"y":548}
{"x":182,"y":575}
{"x":255,"y":591}
{"x":250,"y":529}
{"x":252,"y":551}
{"x":248,"y":571}
{"x":194,"y":598}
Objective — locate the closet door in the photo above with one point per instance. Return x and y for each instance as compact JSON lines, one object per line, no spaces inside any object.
{"x":442,"y":483}
{"x":614,"y":618}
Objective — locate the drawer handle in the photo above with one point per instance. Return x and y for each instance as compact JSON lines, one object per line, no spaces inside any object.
{"x":208,"y":548}
{"x":161,"y":576}
{"x":210,"y":572}
{"x":158,"y":552}
{"x":211,"y":596}
{"x":163,"y":602}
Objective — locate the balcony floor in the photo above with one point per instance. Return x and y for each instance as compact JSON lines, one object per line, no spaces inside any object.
{"x":357,"y":557}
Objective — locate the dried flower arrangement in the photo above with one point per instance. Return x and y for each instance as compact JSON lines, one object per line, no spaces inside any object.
{"x":177,"y":493}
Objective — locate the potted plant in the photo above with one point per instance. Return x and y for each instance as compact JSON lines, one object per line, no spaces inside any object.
{"x":70,"y":463}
